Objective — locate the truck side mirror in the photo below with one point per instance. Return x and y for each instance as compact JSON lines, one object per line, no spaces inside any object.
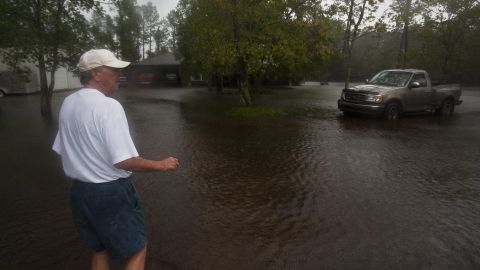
{"x":415,"y":85}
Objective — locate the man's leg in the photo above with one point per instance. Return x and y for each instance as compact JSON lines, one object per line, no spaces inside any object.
{"x":100,"y":261}
{"x":137,"y":261}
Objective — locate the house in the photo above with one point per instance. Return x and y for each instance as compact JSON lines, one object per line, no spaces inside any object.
{"x":156,"y":71}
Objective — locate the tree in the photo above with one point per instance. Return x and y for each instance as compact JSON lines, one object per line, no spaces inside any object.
{"x":175,"y":19}
{"x":468,"y":67}
{"x":128,"y":29}
{"x":45,"y":32}
{"x":248,"y":39}
{"x":403,"y":13}
{"x":304,"y":21}
{"x":102,"y":29}
{"x":450,"y":21}
{"x":355,"y":13}
{"x":150,"y":24}
{"x":160,"y":36}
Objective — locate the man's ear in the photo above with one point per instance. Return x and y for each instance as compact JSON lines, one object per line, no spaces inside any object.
{"x":95,"y":74}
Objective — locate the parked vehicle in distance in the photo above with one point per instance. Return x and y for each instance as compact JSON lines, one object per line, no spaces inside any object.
{"x":393,"y":92}
{"x":3,"y":91}
{"x":10,"y":84}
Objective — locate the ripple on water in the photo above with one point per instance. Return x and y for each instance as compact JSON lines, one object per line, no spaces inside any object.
{"x":309,"y":190}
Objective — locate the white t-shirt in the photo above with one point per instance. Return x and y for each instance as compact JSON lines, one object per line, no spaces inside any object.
{"x":93,"y":135}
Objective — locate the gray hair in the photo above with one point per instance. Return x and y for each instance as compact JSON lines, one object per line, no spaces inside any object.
{"x":86,"y":76}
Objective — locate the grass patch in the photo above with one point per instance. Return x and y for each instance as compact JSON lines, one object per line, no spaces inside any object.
{"x":255,"y":112}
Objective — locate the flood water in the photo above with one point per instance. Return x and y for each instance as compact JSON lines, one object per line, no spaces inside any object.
{"x":310,"y":189}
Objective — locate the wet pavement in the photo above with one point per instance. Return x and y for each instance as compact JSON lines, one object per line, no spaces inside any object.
{"x":310,"y":189}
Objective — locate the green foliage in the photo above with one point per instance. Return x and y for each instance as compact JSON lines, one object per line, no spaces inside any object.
{"x":45,"y":32}
{"x":374,"y":52}
{"x":150,"y":21}
{"x":356,"y":15}
{"x":56,"y":30}
{"x":102,"y":29}
{"x":160,"y":36}
{"x":253,"y":38}
{"x":172,"y":25}
{"x":470,"y":58}
{"x":442,"y":38}
{"x":442,"y":43}
{"x":403,"y":12}
{"x":128,"y":23}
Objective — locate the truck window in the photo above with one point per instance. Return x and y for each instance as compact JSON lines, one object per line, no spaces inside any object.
{"x":392,"y":78}
{"x":420,"y":78}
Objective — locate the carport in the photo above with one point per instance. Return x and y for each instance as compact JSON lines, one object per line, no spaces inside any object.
{"x":157,"y":71}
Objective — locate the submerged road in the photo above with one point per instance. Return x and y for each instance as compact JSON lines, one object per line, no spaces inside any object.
{"x":309,"y":189}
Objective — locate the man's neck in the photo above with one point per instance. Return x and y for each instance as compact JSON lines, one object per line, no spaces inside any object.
{"x":97,"y":86}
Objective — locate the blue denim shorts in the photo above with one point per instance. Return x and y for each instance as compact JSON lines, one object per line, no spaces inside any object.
{"x":109,"y":217}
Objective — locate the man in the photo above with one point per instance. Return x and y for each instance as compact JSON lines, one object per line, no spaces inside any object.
{"x":98,"y":154}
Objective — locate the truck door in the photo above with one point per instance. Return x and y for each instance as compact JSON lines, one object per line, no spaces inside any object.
{"x":419,"y":97}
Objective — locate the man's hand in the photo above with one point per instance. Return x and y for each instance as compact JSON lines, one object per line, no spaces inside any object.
{"x":169,"y":163}
{"x":139,"y":164}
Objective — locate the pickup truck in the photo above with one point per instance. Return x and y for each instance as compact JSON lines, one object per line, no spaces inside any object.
{"x":393,"y":92}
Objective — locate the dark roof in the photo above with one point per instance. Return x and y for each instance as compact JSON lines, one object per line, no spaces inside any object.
{"x":160,"y":60}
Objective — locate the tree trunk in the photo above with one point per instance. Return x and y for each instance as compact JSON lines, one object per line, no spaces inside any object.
{"x":219,"y":81}
{"x":401,"y":50}
{"x":150,"y":41}
{"x":46,"y":104}
{"x":45,"y":97}
{"x":347,"y":44}
{"x":348,"y":67}
{"x":142,"y":40}
{"x":406,"y":47}
{"x":46,"y":89}
{"x":242,"y":75}
{"x":210,"y":82}
{"x":445,"y":68}
{"x":245,"y":98}
{"x":402,"y":53}
{"x":347,"y":76}
{"x":350,"y":37}
{"x":407,"y":30}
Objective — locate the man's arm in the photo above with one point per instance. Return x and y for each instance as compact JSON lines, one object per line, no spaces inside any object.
{"x":139,"y":164}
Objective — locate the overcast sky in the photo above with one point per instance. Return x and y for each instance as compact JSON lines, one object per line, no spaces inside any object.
{"x":163,"y":6}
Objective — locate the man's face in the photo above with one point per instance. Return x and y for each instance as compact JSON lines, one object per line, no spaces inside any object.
{"x":108,"y":78}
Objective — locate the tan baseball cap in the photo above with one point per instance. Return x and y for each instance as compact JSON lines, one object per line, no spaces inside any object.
{"x":97,"y":58}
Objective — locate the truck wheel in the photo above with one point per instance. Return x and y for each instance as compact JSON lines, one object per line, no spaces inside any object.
{"x":447,"y":107}
{"x":348,"y":114}
{"x":392,"y":111}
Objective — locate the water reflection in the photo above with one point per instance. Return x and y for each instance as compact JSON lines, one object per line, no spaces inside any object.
{"x":309,"y":190}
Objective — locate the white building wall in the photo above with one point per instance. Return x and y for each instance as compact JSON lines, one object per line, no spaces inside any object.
{"x":64,"y":79}
{"x":34,"y":80}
